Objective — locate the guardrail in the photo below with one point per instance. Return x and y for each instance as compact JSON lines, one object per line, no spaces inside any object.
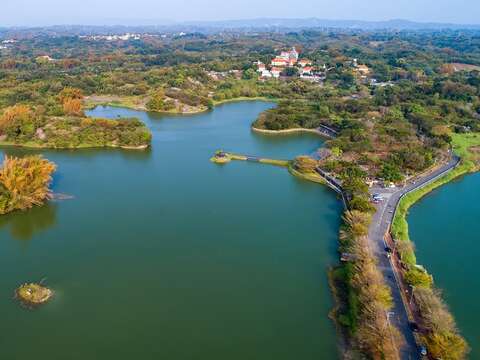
{"x":435,"y":178}
{"x":400,"y":283}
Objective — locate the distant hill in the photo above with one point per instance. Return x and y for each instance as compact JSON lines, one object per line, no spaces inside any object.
{"x":267,"y":23}
{"x":117,"y":26}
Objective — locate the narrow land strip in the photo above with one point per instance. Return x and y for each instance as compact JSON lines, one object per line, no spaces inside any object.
{"x":378,"y":229}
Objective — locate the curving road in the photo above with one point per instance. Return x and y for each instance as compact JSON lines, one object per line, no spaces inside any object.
{"x":399,"y":317}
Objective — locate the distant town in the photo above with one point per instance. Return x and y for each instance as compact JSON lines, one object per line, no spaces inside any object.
{"x":290,"y":63}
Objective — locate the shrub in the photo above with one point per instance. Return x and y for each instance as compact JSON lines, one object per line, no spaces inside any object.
{"x":72,"y":107}
{"x":305,"y":164}
{"x":24,"y":182}
{"x":417,"y":277}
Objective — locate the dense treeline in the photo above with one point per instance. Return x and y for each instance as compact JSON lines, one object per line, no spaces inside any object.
{"x":395,"y":130}
{"x":141,"y":67}
{"x":368,"y":297}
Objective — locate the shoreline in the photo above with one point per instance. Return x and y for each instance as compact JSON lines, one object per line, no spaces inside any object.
{"x":308,"y":177}
{"x":399,"y":226}
{"x":467,"y":162}
{"x":4,"y":144}
{"x":402,"y":326}
{"x":119,"y":104}
{"x":141,"y":108}
{"x":244,"y":98}
{"x":286,"y":131}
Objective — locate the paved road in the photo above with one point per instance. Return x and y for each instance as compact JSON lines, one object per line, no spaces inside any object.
{"x":380,"y":225}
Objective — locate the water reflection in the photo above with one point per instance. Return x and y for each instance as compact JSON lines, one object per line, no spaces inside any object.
{"x":51,"y":154}
{"x":23,"y":225}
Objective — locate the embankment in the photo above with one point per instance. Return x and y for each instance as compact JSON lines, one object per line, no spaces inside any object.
{"x":439,"y":331}
{"x":286,"y":131}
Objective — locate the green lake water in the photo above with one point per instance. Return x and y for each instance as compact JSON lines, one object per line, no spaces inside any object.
{"x":162,"y":254}
{"x":444,"y":226}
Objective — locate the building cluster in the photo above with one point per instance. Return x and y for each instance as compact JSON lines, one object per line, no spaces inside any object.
{"x":124,"y":37}
{"x":45,"y":59}
{"x":362,"y":71}
{"x":221,"y":75}
{"x":289,"y":59}
{"x":7,"y":43}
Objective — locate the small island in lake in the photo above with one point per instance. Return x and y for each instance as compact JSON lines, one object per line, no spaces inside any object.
{"x":33,"y":294}
{"x":221,"y":157}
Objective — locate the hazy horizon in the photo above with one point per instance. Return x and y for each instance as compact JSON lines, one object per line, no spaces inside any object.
{"x":151,"y":12}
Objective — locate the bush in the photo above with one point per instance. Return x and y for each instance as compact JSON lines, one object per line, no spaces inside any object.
{"x":417,"y":277}
{"x":441,"y":337}
{"x":305,"y":164}
{"x":24,"y":182}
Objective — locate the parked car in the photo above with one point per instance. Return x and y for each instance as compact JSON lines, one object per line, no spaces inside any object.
{"x":423,"y":351}
{"x":413,"y":326}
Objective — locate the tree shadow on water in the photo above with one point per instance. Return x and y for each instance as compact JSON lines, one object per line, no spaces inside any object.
{"x":24,"y":225}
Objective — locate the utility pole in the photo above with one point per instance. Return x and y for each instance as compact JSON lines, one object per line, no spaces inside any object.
{"x":411,"y":296}
{"x":388,"y":314}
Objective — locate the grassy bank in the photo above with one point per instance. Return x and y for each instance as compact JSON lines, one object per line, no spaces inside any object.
{"x":440,"y":333}
{"x":463,"y":146}
{"x":129,"y":102}
{"x":314,"y":177}
{"x":283,"y":163}
{"x":139,"y":103}
{"x":221,"y":157}
{"x":244,"y":98}
{"x":287,"y":131}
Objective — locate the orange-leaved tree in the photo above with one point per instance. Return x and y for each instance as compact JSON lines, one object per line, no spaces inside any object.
{"x":71,"y":99}
{"x":16,"y":121}
{"x":73,"y":107}
{"x":70,"y":93}
{"x":24,"y":182}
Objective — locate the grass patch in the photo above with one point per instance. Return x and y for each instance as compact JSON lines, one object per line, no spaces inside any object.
{"x":244,"y":98}
{"x":283,"y":163}
{"x":33,"y":294}
{"x":315,"y":177}
{"x":130,"y":102}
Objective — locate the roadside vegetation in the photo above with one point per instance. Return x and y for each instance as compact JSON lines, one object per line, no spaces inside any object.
{"x":304,"y":167}
{"x":441,"y":334}
{"x":24,"y":182}
{"x":467,"y":147}
{"x":366,"y":299}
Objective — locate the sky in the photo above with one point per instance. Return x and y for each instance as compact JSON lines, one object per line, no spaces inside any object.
{"x":97,"y":12}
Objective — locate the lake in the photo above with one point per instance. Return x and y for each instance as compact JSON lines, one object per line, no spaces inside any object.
{"x":444,"y":227}
{"x":163,"y":254}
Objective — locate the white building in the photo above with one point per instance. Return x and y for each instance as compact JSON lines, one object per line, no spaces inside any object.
{"x":260,"y":66}
{"x":276,"y":72}
{"x":266,"y":74}
{"x":280,"y":61}
{"x":307,"y":70}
